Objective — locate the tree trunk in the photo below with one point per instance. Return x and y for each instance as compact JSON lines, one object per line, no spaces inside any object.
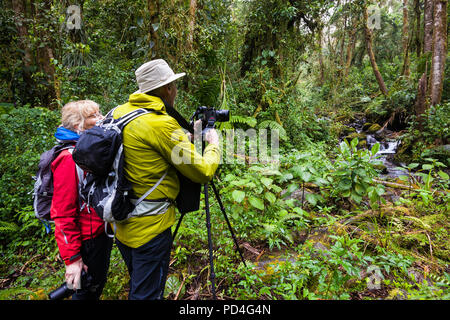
{"x":421,"y":104}
{"x":405,"y":33}
{"x":19,"y":18}
{"x":439,"y":52}
{"x":417,"y":40}
{"x":368,"y":34}
{"x":422,"y":91}
{"x":350,"y":48}
{"x":322,"y":71}
{"x":428,"y":26}
{"x":192,"y":13}
{"x":44,"y":54}
{"x":341,"y":50}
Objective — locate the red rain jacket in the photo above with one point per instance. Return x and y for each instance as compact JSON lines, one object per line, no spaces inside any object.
{"x":71,"y":226}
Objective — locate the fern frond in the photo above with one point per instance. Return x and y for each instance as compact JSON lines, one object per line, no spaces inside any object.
{"x":236,"y":119}
{"x":250,"y":121}
{"x":7,"y":227}
{"x":273,"y":125}
{"x":208,"y":92}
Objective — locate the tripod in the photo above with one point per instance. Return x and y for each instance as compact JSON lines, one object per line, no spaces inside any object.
{"x":208,"y":227}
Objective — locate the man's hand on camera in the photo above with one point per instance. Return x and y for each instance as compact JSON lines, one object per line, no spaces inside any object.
{"x":73,"y":274}
{"x":212,"y":137}
{"x":197,"y":130}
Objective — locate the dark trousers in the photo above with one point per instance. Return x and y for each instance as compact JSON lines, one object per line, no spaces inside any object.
{"x":95,"y":253}
{"x":148,"y":266}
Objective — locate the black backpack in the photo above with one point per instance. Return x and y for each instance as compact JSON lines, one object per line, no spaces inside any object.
{"x":99,"y":151}
{"x":43,"y":187}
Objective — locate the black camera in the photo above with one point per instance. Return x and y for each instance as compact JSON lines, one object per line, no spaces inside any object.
{"x":209,"y":117}
{"x":64,"y":292}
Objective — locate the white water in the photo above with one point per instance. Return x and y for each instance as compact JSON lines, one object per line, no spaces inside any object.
{"x":388,"y":148}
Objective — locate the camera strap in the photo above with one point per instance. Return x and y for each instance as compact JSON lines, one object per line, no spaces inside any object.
{"x":179,"y":118}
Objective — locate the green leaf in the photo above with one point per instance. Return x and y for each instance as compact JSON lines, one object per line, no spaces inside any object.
{"x":276,"y":188}
{"x":354,"y":143}
{"x":256,"y":202}
{"x":380,"y":190}
{"x":355,"y":197}
{"x":238,"y":195}
{"x":375,"y":148}
{"x":291,"y":188}
{"x":345,"y":184}
{"x":266,"y":181}
{"x":305,"y":176}
{"x":172,"y":286}
{"x":286,"y":177}
{"x":320,"y":182}
{"x":373,"y":196}
{"x":427,"y":167}
{"x":443,"y":175}
{"x":270,"y":197}
{"x":311,"y":198}
{"x":359,"y":189}
{"x":413,"y":165}
{"x":300,"y":211}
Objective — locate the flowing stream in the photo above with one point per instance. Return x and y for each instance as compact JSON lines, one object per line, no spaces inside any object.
{"x":388,"y":148}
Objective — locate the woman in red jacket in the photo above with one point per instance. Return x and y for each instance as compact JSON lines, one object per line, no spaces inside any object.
{"x":79,"y":232}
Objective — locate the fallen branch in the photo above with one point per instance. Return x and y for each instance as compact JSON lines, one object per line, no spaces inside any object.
{"x":179,"y":289}
{"x":26,"y":263}
{"x":394,"y":185}
{"x":404,"y":187}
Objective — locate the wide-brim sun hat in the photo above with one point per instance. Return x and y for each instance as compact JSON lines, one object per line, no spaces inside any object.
{"x":154,"y":74}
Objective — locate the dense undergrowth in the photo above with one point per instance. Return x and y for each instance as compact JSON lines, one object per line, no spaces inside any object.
{"x":325,"y":222}
{"x":319,"y":224}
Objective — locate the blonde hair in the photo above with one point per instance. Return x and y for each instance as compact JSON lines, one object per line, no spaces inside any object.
{"x":75,"y":113}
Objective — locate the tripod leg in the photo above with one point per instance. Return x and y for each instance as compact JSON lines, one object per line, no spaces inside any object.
{"x":211,"y":257}
{"x":228,"y":221}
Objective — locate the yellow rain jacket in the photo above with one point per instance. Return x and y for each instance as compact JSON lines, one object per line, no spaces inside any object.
{"x":154,"y":143}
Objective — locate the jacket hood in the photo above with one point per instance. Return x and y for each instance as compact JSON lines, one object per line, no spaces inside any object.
{"x":63,"y":134}
{"x":142,"y":100}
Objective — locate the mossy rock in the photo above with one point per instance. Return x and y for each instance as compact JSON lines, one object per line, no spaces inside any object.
{"x":417,"y":241}
{"x":403,"y":153}
{"x":380,"y":167}
{"x":362,"y":143}
{"x":435,"y":219}
{"x":360,"y":136}
{"x":346,"y":130}
{"x":366,"y":126}
{"x":374,"y":128}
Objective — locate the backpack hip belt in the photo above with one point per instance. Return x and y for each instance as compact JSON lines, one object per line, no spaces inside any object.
{"x":149,"y":208}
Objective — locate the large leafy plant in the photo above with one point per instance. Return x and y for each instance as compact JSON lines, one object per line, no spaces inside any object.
{"x":258,"y":208}
{"x":354,"y":171}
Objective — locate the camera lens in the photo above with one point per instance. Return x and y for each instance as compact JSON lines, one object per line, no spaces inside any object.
{"x":222,"y":115}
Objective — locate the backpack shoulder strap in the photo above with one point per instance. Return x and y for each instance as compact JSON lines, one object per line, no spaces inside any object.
{"x":81,"y":179}
{"x":127,"y":118}
{"x":151,"y":189}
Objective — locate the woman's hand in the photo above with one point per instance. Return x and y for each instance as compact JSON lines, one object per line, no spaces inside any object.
{"x":73,"y":274}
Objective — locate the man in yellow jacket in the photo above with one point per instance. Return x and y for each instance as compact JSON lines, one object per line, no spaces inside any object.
{"x":155,"y":147}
